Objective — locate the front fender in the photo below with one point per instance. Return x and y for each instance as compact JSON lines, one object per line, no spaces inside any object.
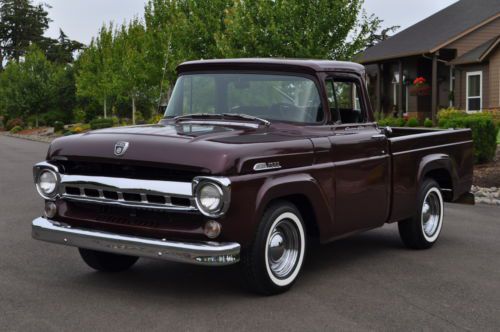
{"x":301,"y":184}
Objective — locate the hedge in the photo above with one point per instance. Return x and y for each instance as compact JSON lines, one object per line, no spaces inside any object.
{"x":484,"y":131}
{"x":101,"y":123}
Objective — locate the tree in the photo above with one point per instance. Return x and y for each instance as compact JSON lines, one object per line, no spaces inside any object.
{"x":61,"y":50}
{"x":376,"y":37}
{"x":178,"y":31}
{"x":321,"y":29}
{"x":21,"y":24}
{"x":129,"y":65}
{"x":130,"y":75}
{"x":26,"y":88}
{"x":95,"y":76}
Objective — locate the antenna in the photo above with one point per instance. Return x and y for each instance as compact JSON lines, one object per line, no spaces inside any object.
{"x":161,"y":83}
{"x":164,"y":71}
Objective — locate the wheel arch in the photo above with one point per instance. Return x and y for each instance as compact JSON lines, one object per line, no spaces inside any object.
{"x":305,"y":193}
{"x":442,"y":169}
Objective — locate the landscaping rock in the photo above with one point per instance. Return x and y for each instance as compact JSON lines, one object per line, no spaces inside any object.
{"x":486,"y":195}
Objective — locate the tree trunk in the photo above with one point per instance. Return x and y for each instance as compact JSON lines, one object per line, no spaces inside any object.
{"x":133,"y":110}
{"x":36,"y":119}
{"x":105,"y":108}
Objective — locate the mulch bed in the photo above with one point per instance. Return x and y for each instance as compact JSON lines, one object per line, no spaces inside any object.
{"x":34,"y":131}
{"x":488,"y":175}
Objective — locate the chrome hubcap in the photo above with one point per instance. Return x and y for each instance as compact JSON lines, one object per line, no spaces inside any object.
{"x":283,"y":248}
{"x":431,"y":214}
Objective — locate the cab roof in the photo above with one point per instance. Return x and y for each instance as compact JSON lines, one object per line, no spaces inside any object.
{"x":271,"y":64}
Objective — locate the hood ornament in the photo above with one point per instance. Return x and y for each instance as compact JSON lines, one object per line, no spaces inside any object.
{"x":121,"y":147}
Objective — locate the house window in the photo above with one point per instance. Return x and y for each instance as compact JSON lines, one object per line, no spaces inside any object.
{"x":474,"y":89}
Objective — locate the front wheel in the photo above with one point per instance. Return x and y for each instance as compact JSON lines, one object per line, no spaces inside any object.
{"x":107,"y":262}
{"x":423,"y":229}
{"x":273,"y":261}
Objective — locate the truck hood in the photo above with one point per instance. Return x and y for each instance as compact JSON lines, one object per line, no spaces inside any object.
{"x":222,"y":149}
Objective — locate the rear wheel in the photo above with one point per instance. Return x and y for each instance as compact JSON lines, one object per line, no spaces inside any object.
{"x":107,"y":262}
{"x":273,"y":262}
{"x":423,"y":229}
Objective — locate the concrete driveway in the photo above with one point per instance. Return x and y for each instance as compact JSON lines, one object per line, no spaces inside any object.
{"x":367,"y":282}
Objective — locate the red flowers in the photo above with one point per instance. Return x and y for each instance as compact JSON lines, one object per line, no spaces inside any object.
{"x":419,"y":81}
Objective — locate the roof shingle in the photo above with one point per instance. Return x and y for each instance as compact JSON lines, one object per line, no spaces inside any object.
{"x":477,"y":54}
{"x":433,"y":31}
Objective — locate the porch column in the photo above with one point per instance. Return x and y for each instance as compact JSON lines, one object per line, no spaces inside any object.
{"x":434,"y":91}
{"x":400,"y":95}
{"x":378,"y":106}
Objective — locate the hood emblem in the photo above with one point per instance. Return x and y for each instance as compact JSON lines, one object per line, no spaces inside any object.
{"x":266,"y":166}
{"x":121,"y":147}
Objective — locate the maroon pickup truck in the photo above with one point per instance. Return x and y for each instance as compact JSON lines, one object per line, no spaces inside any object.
{"x":253,"y":159}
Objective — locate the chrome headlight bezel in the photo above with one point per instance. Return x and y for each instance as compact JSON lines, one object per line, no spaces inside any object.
{"x":223,"y":186}
{"x":41,"y":168}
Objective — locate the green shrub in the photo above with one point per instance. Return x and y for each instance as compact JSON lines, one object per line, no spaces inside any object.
{"x":116,"y":120}
{"x":155,"y":118}
{"x":101,"y":123}
{"x":446,"y":114}
{"x":58,"y":126}
{"x":392,"y":122}
{"x":484,"y":132}
{"x":428,"y":123}
{"x":16,"y":129}
{"x":412,"y":122}
{"x":79,"y":115}
{"x":16,"y":122}
{"x":139,"y":118}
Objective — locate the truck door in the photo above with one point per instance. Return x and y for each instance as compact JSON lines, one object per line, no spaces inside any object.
{"x":360,"y":157}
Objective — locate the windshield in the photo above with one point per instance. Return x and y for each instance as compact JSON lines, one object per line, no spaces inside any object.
{"x":267,"y":96}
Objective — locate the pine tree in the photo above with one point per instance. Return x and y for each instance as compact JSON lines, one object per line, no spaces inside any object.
{"x":21,"y":24}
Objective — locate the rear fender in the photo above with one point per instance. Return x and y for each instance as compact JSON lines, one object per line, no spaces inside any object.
{"x":435,"y":162}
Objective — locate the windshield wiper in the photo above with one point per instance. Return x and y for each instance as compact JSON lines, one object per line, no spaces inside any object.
{"x":220,"y":116}
{"x":247,"y":117}
{"x":196,"y":115}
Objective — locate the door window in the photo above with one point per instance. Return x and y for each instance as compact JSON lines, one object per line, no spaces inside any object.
{"x":474,"y":91}
{"x":344,"y":98}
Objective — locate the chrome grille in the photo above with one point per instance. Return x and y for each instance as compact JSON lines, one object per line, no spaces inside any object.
{"x":147,"y":194}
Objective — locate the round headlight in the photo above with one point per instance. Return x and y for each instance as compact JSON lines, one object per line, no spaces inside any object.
{"x":209,"y":196}
{"x":47,"y":183}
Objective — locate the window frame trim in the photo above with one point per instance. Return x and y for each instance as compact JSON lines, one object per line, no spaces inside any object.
{"x":467,"y":97}
{"x":355,"y":79}
{"x":315,"y":78}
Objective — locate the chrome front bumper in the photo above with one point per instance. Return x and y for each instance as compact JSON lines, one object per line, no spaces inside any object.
{"x":200,"y":253}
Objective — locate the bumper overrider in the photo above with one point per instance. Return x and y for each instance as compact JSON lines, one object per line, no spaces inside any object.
{"x":161,"y":195}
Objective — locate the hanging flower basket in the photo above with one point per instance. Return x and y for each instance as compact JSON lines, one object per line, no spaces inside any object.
{"x":420,"y":87}
{"x":424,"y":90}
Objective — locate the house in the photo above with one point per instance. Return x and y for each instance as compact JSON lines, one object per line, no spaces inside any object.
{"x":450,"y":59}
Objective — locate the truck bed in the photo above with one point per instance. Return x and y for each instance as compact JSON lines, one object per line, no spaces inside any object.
{"x":448,"y":154}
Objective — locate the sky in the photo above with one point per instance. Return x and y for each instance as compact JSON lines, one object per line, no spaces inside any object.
{"x":81,"y":19}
